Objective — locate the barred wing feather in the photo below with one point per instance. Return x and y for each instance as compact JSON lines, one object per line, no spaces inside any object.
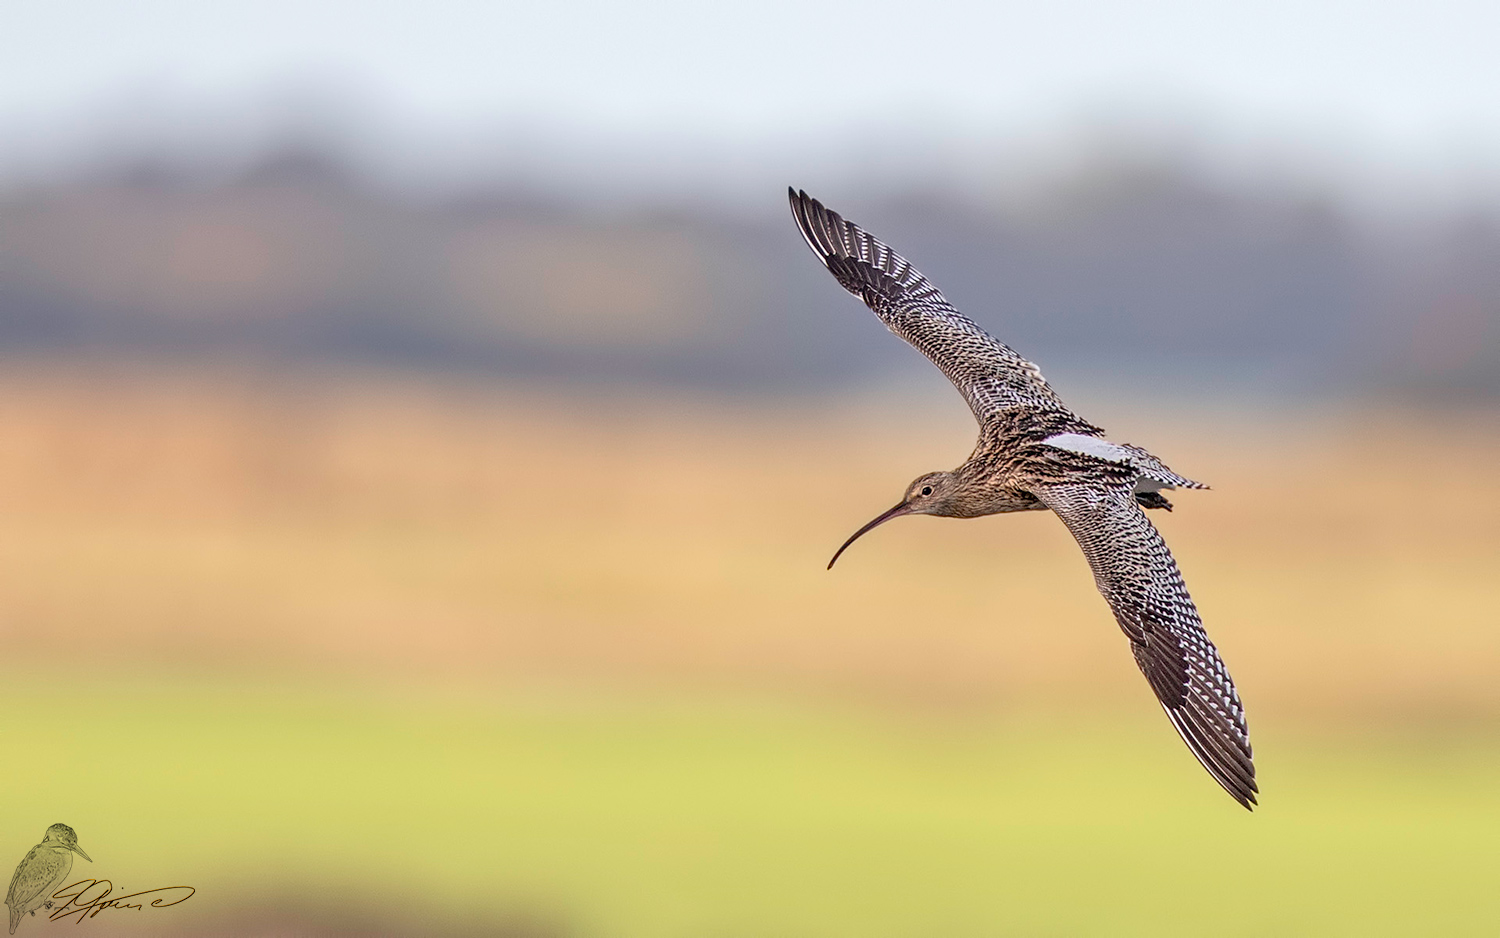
{"x":991,"y":376}
{"x":1139,"y":578}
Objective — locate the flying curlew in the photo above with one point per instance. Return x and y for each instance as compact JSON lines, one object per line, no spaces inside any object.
{"x":42,"y":872}
{"x":1035,"y":454}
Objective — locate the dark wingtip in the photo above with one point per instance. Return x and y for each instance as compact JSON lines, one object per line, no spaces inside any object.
{"x":1241,"y":788}
{"x":804,"y":208}
{"x":1234,"y":770}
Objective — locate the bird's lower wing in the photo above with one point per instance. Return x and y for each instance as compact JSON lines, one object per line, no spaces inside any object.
{"x":990,"y":375}
{"x":1139,"y":578}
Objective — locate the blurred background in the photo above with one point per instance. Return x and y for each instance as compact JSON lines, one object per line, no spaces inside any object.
{"x":422,"y":432}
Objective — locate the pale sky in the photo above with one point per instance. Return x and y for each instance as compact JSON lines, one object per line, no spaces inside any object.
{"x":1407,"y":82}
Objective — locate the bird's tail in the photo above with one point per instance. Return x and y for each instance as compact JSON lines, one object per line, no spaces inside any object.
{"x":1157,"y":471}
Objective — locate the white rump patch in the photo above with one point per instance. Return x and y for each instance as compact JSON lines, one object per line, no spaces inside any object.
{"x":1152,"y":476}
{"x":1091,"y":446}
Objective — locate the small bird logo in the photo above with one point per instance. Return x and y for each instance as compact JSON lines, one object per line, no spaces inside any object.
{"x":42,"y":873}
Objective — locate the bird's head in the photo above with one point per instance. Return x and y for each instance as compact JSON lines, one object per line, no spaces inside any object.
{"x":930,"y":494}
{"x":65,"y":836}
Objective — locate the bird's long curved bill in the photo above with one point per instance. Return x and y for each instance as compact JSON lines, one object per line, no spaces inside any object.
{"x":79,"y":850}
{"x":898,"y":511}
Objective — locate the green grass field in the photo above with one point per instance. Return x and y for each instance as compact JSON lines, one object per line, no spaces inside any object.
{"x":635,"y":817}
{"x":387,"y":656}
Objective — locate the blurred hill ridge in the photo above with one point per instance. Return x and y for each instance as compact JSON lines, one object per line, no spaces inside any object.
{"x":1121,"y":267}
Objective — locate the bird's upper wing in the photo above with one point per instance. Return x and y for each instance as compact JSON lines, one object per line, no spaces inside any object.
{"x":32,"y":877}
{"x":990,"y":375}
{"x":1136,"y":573}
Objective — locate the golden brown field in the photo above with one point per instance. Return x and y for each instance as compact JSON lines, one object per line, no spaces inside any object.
{"x":370,"y":523}
{"x":382,"y":654}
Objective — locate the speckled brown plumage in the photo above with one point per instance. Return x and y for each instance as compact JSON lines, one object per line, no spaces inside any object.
{"x":39,"y":874}
{"x":1033,"y":453}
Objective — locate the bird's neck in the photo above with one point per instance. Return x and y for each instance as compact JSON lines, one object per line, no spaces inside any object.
{"x":978,"y":497}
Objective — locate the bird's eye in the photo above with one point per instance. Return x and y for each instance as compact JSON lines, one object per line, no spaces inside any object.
{"x":926,"y":490}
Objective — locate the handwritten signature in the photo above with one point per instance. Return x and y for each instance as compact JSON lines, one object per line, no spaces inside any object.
{"x":88,"y":897}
